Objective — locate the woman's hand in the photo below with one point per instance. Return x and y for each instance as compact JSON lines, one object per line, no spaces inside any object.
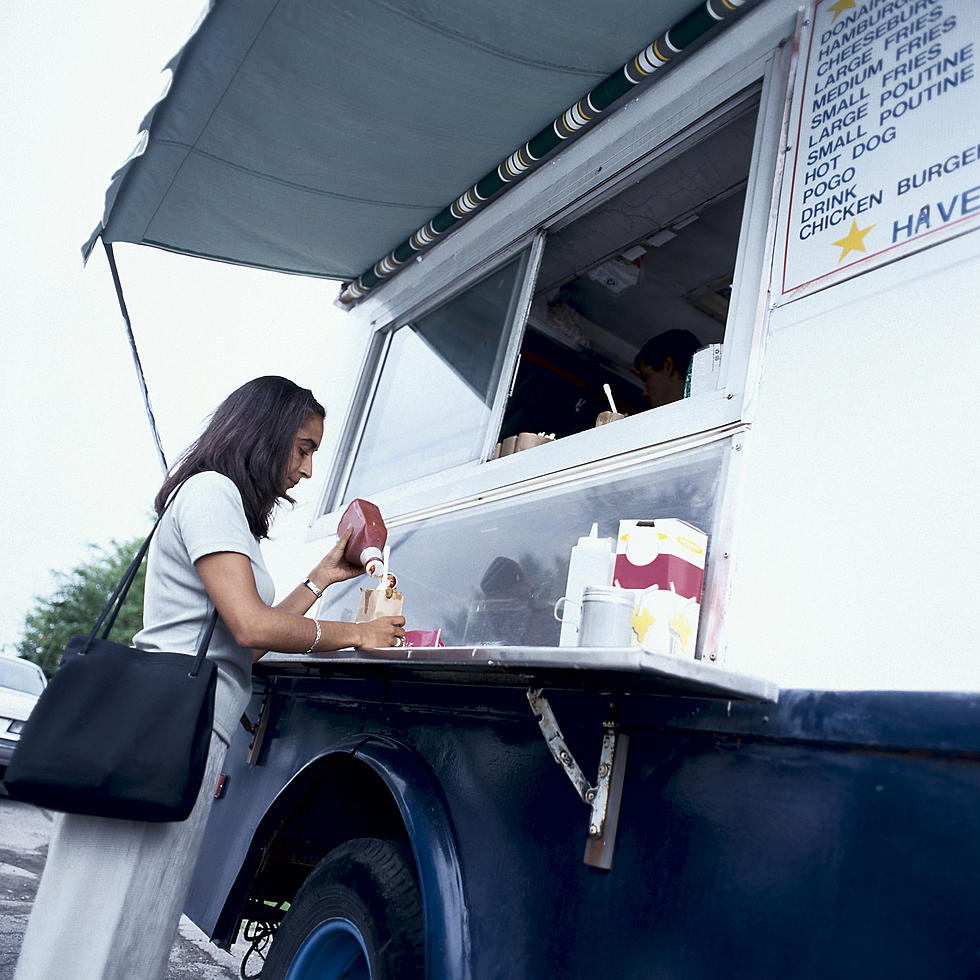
{"x":333,"y":566}
{"x":385,"y":631}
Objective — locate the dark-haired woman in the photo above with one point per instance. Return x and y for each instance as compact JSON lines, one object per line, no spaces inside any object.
{"x":112,"y":890}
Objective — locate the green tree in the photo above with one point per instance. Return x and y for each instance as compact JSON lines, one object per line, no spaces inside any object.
{"x":78,"y":599}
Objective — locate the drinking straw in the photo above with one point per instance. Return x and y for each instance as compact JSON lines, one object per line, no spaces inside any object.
{"x":612,"y":404}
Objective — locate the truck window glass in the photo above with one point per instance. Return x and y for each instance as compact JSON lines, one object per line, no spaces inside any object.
{"x":657,"y":256}
{"x":490,"y":575}
{"x":432,"y":403}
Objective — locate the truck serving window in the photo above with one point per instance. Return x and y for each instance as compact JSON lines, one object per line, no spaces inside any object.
{"x":658,"y":256}
{"x":438,"y":379}
{"x":524,"y":355}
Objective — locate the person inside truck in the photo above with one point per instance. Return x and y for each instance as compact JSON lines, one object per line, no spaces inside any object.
{"x":662,"y":364}
{"x":112,"y":890}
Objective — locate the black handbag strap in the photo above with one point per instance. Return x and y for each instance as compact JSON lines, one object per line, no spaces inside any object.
{"x":118,"y":597}
{"x":202,"y":647}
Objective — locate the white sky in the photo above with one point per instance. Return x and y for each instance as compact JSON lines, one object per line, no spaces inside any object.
{"x":78,"y":464}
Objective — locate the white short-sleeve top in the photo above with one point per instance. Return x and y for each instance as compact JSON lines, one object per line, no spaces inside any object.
{"x":206,"y":516}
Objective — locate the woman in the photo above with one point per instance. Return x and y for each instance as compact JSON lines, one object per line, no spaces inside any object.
{"x":112,"y":891}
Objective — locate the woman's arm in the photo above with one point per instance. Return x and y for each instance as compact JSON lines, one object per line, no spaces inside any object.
{"x":230,"y":584}
{"x":332,"y":568}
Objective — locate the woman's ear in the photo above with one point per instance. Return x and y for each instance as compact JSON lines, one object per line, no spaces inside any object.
{"x":669,"y":367}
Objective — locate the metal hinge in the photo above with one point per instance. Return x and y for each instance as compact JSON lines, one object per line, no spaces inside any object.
{"x":257,"y":729}
{"x":605,"y":797}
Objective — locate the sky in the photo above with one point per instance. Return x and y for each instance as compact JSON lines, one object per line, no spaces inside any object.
{"x":79,"y":467}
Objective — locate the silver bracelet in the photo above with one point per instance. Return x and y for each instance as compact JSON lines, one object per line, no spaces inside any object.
{"x":316,"y":622}
{"x":317,"y":592}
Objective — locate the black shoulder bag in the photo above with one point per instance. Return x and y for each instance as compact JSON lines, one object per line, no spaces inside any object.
{"x":119,"y":732}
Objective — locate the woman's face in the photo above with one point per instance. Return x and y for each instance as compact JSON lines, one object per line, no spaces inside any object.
{"x":305,"y":443}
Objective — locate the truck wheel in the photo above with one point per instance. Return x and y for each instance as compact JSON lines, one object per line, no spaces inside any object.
{"x":357,"y":916}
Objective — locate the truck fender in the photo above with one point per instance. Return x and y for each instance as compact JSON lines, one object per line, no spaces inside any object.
{"x":424,"y":812}
{"x":423,"y":808}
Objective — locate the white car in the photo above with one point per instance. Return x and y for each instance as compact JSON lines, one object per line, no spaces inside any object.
{"x":21,"y":684}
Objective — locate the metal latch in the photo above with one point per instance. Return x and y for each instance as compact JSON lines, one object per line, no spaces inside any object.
{"x":605,"y":797}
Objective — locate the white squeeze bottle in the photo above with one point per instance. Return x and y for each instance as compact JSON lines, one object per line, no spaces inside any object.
{"x":590,"y":563}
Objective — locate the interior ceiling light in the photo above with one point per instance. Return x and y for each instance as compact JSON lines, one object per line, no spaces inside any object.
{"x":684,"y":222}
{"x":660,"y":238}
{"x":616,"y":274}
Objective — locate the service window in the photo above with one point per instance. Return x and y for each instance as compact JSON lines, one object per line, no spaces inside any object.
{"x":652,"y":265}
{"x":652,"y":262}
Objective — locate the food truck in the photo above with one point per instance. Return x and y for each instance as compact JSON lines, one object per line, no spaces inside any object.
{"x":774,"y":768}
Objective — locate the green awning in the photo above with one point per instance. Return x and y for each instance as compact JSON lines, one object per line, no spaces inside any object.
{"x":319,"y":136}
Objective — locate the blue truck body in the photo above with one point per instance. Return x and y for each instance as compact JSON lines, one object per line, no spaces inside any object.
{"x":830,"y":834}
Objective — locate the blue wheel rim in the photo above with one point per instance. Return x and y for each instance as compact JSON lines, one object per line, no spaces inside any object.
{"x":334,"y":950}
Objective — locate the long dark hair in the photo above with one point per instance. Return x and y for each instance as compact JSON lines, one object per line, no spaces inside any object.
{"x":249,"y":439}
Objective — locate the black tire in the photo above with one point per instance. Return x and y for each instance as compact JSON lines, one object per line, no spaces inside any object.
{"x":363,"y":892}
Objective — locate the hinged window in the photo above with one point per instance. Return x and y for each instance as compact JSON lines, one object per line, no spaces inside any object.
{"x":439,"y":373}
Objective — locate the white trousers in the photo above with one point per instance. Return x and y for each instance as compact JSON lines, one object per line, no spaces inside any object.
{"x":112,"y":893}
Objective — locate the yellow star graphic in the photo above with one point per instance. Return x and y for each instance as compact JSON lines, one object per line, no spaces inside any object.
{"x":839,"y":7}
{"x":642,"y":621}
{"x":853,"y":241}
{"x":681,"y":625}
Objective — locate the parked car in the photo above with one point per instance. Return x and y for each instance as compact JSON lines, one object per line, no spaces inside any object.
{"x":21,"y":684}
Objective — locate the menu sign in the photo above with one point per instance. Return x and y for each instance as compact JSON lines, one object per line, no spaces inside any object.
{"x":886,"y":133}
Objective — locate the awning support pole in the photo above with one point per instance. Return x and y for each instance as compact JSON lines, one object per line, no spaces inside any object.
{"x":136,"y":356}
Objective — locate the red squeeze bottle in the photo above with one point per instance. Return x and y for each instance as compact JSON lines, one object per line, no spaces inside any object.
{"x":369,"y":537}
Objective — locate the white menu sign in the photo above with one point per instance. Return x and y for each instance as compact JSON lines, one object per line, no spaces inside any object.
{"x":886,"y":134}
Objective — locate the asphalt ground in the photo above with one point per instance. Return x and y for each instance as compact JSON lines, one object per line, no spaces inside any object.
{"x":24,"y":832}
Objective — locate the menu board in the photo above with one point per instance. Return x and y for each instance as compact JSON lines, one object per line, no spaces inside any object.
{"x":885,"y":134}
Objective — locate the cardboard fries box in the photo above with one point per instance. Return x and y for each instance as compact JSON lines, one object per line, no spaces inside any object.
{"x":664,"y":561}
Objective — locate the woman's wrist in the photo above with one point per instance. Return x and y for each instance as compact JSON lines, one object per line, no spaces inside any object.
{"x":316,"y":638}
{"x":328,"y":635}
{"x":323,"y":578}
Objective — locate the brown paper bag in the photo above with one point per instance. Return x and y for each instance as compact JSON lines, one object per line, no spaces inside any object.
{"x":379,"y":602}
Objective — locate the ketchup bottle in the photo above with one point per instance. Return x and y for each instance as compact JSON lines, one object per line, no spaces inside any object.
{"x":369,"y":537}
